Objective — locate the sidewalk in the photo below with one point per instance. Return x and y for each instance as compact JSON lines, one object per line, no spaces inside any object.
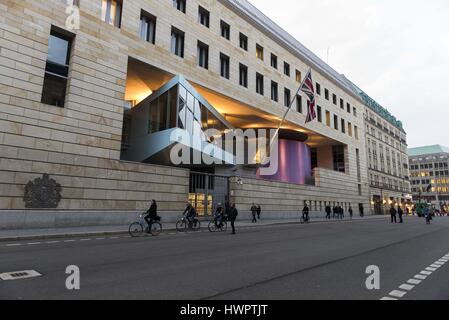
{"x":11,"y":235}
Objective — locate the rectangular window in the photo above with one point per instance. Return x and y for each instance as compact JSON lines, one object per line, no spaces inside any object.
{"x":299,"y":103}
{"x":342,"y":104}
{"x":350,"y":129}
{"x":298,"y":76}
{"x":328,"y":118}
{"x":57,"y":69}
{"x":225,"y":30}
{"x":180,"y":5}
{"x":224,"y":66}
{"x":203,"y":16}
{"x":243,"y":75}
{"x":348,"y":108}
{"x":343,"y":126}
{"x":203,"y":55}
{"x":274,"y":91}
{"x":326,"y":94}
{"x":111,"y":12}
{"x":259,"y":83}
{"x":177,"y":42}
{"x":338,"y":155}
{"x":259,"y":52}
{"x":286,"y":69}
{"x":318,"y":88}
{"x":334,"y":99}
{"x":287,"y":97}
{"x":354,"y":111}
{"x":319,"y":114}
{"x":147,"y":27}
{"x":274,"y":61}
{"x":243,"y":41}
{"x":335,"y":122}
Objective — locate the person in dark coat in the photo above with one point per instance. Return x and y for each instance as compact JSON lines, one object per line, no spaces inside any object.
{"x":254,"y":213}
{"x":233,"y":216}
{"x":151,"y":214}
{"x":361,"y":210}
{"x":351,"y":212}
{"x":342,"y":213}
{"x":305,"y":213}
{"x":400,"y":214}
{"x":393,"y":213}
{"x":328,"y":212}
{"x":227,"y":210}
{"x":259,"y":210}
{"x":334,"y":212}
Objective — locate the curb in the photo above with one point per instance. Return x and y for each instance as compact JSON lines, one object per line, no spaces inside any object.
{"x":122,"y":232}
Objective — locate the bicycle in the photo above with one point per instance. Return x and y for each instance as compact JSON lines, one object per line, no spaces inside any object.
{"x":213,"y":227}
{"x":140,"y":227}
{"x":184,"y":224}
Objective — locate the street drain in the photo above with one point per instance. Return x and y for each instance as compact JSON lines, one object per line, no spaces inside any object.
{"x":18,"y":275}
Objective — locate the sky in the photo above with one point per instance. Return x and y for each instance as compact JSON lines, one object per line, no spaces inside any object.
{"x":397,"y":51}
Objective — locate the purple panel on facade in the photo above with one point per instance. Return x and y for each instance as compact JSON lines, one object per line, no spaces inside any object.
{"x":294,"y":163}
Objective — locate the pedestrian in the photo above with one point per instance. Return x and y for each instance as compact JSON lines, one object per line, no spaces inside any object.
{"x":328,"y":212}
{"x":233,"y":216}
{"x":334,"y":212}
{"x":227,"y":210}
{"x":254,"y":213}
{"x":427,"y":214}
{"x":342,"y":213}
{"x":351,"y":212}
{"x":361,"y":210}
{"x":259,"y":210}
{"x":400,"y":214}
{"x":305,"y":213}
{"x":393,"y":214}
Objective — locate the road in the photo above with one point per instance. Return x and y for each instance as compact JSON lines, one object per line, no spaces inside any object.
{"x":315,"y":261}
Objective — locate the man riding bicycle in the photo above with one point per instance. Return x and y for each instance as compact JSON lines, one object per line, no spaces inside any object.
{"x":151,"y":214}
{"x":190,"y":213}
{"x":218,"y":216}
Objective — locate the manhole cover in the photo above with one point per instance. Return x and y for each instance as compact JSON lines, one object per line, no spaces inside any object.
{"x":18,"y":275}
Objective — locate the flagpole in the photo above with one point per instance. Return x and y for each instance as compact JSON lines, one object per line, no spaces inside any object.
{"x":287,"y":111}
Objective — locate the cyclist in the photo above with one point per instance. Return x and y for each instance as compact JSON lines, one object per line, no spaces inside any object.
{"x":151,"y":214}
{"x":190,"y":213}
{"x":218,"y":216}
{"x":305,"y":213}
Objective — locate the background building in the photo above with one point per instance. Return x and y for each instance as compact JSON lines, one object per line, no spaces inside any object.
{"x":70,"y":102}
{"x":429,"y":172}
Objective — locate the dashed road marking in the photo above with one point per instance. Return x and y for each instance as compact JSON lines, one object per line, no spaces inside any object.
{"x":13,"y":244}
{"x":431,"y":269}
{"x":33,"y":243}
{"x":427,"y":273}
{"x":435,"y":266}
{"x":407,"y":287}
{"x":388,"y":298}
{"x":421,"y":277}
{"x":414,"y":281}
{"x":397,"y":293}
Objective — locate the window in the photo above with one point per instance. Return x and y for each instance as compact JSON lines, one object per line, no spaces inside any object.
{"x":203,"y":16}
{"x":259,"y":83}
{"x":243,"y":41}
{"x":274,"y":91}
{"x":326,"y":94}
{"x":319,"y":114}
{"x":286,"y":69}
{"x":334,"y":99}
{"x":243,"y":75}
{"x":259,"y":52}
{"x":318,"y":88}
{"x":350,"y":129}
{"x":147,"y":27}
{"x":225,"y":30}
{"x":203,"y":55}
{"x":335,"y":122}
{"x":287,"y":97}
{"x":354,"y":111}
{"x":299,"y":103}
{"x":177,"y":42}
{"x":338,"y":155}
{"x":111,"y":12}
{"x":348,"y":108}
{"x":343,"y":126}
{"x":298,"y":76}
{"x":180,"y":5}
{"x":342,"y":104}
{"x":328,"y":118}
{"x":224,"y":66}
{"x":274,"y":61}
{"x":57,"y":69}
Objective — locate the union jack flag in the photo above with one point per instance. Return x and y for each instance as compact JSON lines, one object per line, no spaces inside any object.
{"x":308,"y":88}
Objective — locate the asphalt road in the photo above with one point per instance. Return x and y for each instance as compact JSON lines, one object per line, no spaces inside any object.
{"x":316,"y":261}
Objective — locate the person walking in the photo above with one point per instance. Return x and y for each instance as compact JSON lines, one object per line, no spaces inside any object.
{"x":351,"y":212}
{"x":334,"y":212}
{"x":259,"y":210}
{"x":254,"y":213}
{"x":305,"y":213}
{"x":328,"y":212}
{"x":393,"y":214}
{"x":233,"y":216}
{"x":342,"y":213}
{"x":427,"y":215}
{"x":361,"y":210}
{"x":400,"y":214}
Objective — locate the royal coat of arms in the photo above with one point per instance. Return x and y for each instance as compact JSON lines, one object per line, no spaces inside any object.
{"x":42,"y":193}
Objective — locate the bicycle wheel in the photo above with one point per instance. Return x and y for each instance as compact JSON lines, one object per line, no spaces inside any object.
{"x":181,"y":226}
{"x":155,"y":229}
{"x":212,"y":227}
{"x":196,"y":225}
{"x":135,"y":229}
{"x":224,"y":227}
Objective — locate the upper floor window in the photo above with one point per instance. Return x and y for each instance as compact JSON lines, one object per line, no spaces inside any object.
{"x":319,"y":114}
{"x":203,"y":55}
{"x":334,"y":99}
{"x":298,"y":76}
{"x":287,"y":97}
{"x":203,"y":16}
{"x":318,"y":88}
{"x":286,"y":69}
{"x":177,"y":42}
{"x":259,"y":52}
{"x":259,"y":83}
{"x":274,"y":91}
{"x":354,"y":111}
{"x":224,"y":65}
{"x":225,"y":30}
{"x":111,"y":12}
{"x":274,"y":61}
{"x":326,"y":94}
{"x":243,"y":75}
{"x":180,"y":5}
{"x":348,"y":108}
{"x":299,"y":103}
{"x":335,"y":122}
{"x":342,"y":104}
{"x":57,"y":69}
{"x":243,"y":41}
{"x":147,"y":27}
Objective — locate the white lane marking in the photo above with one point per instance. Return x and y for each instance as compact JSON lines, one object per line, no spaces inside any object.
{"x":414,"y":281}
{"x":407,"y":287}
{"x":69,"y":240}
{"x":13,"y":244}
{"x":85,"y":239}
{"x":427,"y":273}
{"x":100,"y":238}
{"x":51,"y":242}
{"x":439,"y":263}
{"x":431,"y":269}
{"x":435,"y":266}
{"x":33,"y":243}
{"x":421,"y":277}
{"x":388,"y":298}
{"x":397,"y":293}
{"x":113,"y":238}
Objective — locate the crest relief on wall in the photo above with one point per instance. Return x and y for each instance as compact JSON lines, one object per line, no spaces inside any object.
{"x":42,"y":193}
